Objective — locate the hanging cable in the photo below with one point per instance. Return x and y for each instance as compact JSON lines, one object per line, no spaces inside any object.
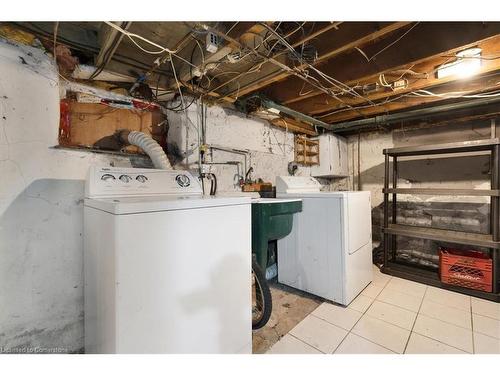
{"x":338,"y":84}
{"x":388,"y":46}
{"x":161,"y":50}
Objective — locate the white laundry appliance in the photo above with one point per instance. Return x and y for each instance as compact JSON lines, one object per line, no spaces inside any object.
{"x":167,"y":270}
{"x":329,"y":252}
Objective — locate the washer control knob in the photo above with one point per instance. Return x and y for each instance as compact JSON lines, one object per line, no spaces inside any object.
{"x":141,"y":178}
{"x":183,"y":180}
{"x":107,"y":176}
{"x":125,"y":178}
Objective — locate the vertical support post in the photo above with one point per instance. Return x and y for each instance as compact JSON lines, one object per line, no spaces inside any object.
{"x":495,"y":184}
{"x":495,"y":211}
{"x":386,"y":210}
{"x":394,"y":202}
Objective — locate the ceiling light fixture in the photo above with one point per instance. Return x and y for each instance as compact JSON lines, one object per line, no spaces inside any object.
{"x":468,"y":63}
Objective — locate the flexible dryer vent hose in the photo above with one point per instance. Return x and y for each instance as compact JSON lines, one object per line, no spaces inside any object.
{"x":150,"y":147}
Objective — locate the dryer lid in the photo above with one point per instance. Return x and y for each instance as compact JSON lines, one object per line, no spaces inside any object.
{"x":297,"y":184}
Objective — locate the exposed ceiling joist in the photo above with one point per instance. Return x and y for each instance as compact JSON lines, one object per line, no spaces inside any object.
{"x":110,"y":40}
{"x":475,"y":86}
{"x":455,"y":108}
{"x":294,"y":126}
{"x":426,"y":39}
{"x":275,"y":70}
{"x":331,"y":41}
{"x":272,"y":60}
{"x":241,"y":28}
{"x":489,"y":46}
{"x":267,"y":60}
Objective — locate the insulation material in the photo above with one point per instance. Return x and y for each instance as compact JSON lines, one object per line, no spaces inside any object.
{"x":17,"y":35}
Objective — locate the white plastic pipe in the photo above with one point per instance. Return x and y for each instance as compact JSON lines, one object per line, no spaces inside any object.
{"x":150,"y":147}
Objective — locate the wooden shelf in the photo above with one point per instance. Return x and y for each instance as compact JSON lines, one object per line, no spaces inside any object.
{"x":306,"y":150}
{"x":444,"y":148}
{"x":431,"y":277}
{"x":310,"y":153}
{"x":466,"y":238}
{"x":464,"y":192}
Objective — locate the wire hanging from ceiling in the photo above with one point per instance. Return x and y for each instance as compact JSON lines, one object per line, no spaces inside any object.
{"x":161,"y":50}
{"x":336,"y":83}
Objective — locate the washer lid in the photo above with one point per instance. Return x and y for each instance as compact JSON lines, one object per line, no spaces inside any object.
{"x":136,"y":205}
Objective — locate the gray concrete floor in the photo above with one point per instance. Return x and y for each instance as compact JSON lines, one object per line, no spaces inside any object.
{"x":290,"y":306}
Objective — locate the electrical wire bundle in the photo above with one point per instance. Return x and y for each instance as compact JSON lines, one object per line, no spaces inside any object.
{"x":307,"y":52}
{"x":304,"y":55}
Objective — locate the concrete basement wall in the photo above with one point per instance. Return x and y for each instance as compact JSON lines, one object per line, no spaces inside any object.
{"x":444,"y":171}
{"x":270,"y":149}
{"x":447,"y":212}
{"x":41,"y":197}
{"x":41,"y":193}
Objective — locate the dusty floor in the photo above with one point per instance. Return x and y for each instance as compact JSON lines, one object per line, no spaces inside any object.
{"x":393,"y":315}
{"x":290,"y":306}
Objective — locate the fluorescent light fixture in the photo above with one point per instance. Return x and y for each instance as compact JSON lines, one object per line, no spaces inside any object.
{"x":468,"y":63}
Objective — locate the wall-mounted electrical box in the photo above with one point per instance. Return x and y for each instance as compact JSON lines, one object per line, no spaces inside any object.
{"x":212,"y":42}
{"x":332,"y":157}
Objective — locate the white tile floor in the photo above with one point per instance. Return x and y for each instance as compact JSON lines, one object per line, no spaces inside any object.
{"x":394,"y":315}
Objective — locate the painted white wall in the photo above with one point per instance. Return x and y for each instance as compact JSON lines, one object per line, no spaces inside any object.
{"x":41,"y":296}
{"x":41,"y":275}
{"x":270,"y":149}
{"x":430,"y":171}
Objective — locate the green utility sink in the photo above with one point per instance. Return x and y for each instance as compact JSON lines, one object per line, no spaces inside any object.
{"x":272,"y":219}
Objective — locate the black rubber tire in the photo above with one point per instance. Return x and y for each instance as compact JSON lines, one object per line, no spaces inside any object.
{"x":265,"y":294}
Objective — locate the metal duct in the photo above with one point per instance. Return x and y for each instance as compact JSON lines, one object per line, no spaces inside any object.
{"x":411,"y":115}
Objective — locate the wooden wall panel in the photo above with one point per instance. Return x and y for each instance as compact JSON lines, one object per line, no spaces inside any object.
{"x":90,"y":122}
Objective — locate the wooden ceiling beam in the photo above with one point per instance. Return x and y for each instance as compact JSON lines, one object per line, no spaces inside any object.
{"x":295,"y":42}
{"x":490,"y":46}
{"x":294,"y":126}
{"x":186,"y":72}
{"x":330,"y":41}
{"x":426,"y":39}
{"x":474,"y":86}
{"x":110,"y":40}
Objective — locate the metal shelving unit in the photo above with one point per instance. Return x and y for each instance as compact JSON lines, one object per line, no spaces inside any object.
{"x":392,"y":229}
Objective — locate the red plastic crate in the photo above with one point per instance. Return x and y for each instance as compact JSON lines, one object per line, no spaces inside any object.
{"x":469,"y":269}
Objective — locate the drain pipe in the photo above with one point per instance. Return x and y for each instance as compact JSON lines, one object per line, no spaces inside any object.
{"x":411,"y":115}
{"x":292,"y":113}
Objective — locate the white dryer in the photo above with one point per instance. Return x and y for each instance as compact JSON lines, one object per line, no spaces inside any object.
{"x":329,"y":252}
{"x":167,"y":270}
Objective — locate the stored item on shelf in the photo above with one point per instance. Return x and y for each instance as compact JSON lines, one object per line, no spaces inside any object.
{"x":466,"y":268}
{"x":306,"y":151}
{"x":257,"y":186}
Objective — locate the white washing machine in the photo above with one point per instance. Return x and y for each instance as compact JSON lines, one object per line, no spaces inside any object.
{"x":167,"y":270}
{"x":329,"y":252}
